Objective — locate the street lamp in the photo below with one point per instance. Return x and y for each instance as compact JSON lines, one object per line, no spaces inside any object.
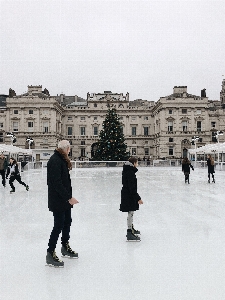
{"x":194,"y":142}
{"x":218,"y":133}
{"x":12,"y":137}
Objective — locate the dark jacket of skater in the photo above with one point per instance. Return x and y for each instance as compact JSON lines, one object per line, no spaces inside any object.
{"x":59,"y":183}
{"x":186,"y":165}
{"x":13,"y":172}
{"x":129,"y":194}
{"x":210,"y":164}
{"x":60,"y":202}
{"x":130,"y":199}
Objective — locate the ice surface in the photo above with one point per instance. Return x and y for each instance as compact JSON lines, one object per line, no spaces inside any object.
{"x":181,"y":255}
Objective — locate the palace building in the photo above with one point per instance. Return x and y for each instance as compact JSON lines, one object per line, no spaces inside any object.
{"x":161,"y":129}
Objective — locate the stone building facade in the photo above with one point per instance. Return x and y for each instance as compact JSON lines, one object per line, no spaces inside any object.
{"x":161,"y":129}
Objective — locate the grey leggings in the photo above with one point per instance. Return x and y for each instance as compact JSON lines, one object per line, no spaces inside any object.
{"x":130,"y":219}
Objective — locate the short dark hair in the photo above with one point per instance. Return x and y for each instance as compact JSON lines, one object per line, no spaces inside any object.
{"x":132,"y":159}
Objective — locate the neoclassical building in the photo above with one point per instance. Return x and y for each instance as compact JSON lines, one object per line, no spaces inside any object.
{"x":161,"y":129}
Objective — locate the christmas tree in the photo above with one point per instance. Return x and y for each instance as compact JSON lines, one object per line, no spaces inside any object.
{"x":110,"y":145}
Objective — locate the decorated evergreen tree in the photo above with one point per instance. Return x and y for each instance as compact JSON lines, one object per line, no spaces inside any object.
{"x":110,"y":145}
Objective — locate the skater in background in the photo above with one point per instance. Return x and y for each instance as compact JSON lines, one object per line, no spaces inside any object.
{"x":186,"y":165}
{"x":13,"y":172}
{"x":130,"y":199}
{"x":60,"y":202}
{"x":210,"y":164}
{"x":3,"y":167}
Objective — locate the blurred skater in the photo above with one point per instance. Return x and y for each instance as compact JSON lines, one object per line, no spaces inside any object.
{"x":210,"y":164}
{"x":130,"y":199}
{"x":186,"y":165}
{"x":13,"y":172}
{"x":60,"y":202}
{"x":3,"y":167}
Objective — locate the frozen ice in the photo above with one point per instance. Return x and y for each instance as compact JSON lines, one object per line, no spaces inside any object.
{"x":181,"y":255}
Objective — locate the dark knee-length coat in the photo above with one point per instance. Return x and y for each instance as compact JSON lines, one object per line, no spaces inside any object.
{"x":210,"y":166}
{"x":129,"y":194}
{"x":186,"y":167}
{"x":59,"y":183}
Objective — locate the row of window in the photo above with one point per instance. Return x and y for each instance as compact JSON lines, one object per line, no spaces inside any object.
{"x":31,"y":112}
{"x":184,"y":111}
{"x":82,"y":118}
{"x":15,"y":126}
{"x":184,"y":126}
{"x":16,"y":111}
{"x":95,"y":130}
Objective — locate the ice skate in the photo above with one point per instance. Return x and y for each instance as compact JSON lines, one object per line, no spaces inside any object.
{"x":213,"y":180}
{"x":208,"y":181}
{"x":12,"y":191}
{"x":68,"y":252}
{"x":134,"y":231}
{"x":27,"y":187}
{"x":131,"y":237}
{"x":53,"y":261}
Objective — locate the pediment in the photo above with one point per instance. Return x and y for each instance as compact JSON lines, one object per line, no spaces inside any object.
{"x":184,"y":118}
{"x":170,"y":119}
{"x":199,"y":118}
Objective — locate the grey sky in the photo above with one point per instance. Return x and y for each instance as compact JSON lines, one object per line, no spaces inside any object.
{"x":141,"y":47}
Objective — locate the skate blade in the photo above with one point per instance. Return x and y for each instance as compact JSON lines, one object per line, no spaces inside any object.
{"x":133,"y":240}
{"x":52,"y":266}
{"x":71,"y":257}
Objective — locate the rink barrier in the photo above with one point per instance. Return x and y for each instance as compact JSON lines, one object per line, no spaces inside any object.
{"x":109,"y":164}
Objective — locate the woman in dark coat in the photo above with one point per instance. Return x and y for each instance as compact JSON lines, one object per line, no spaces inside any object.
{"x":210,"y":164}
{"x":60,"y":202}
{"x":186,"y":165}
{"x":130,"y":199}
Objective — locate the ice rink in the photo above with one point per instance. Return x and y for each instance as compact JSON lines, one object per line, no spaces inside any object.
{"x":181,"y":255}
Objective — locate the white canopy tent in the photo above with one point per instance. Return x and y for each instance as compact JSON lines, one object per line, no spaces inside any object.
{"x":209,"y":149}
{"x":216,"y":150}
{"x":14,"y":150}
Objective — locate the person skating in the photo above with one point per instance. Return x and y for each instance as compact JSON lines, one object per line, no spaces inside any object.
{"x":186,"y":165}
{"x":60,"y":202}
{"x":210,"y":164}
{"x":13,"y":172}
{"x":130,"y":199}
{"x":3,"y":167}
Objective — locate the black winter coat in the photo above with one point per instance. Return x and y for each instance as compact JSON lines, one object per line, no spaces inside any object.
{"x":186,"y":168}
{"x":210,"y":166}
{"x":129,"y":195}
{"x":59,"y":183}
{"x":16,"y":173}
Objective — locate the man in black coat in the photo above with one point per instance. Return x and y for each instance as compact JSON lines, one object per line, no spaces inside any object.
{"x":60,"y":202}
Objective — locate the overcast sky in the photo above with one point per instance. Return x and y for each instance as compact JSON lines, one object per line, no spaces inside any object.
{"x":141,"y":47}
